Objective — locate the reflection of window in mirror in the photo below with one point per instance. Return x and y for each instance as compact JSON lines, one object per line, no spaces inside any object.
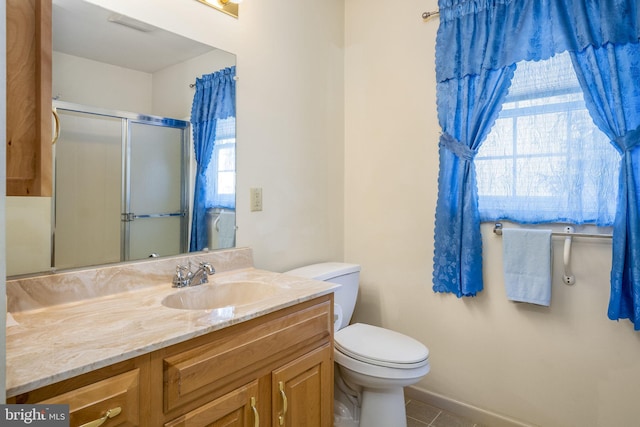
{"x":221,"y":173}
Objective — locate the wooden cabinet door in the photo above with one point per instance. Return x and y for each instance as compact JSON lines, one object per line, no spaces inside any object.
{"x":302,"y":391}
{"x":235,"y":409}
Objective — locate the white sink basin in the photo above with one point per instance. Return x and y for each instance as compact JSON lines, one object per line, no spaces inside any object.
{"x":216,"y":296}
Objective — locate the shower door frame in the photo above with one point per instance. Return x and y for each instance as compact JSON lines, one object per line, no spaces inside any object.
{"x":127,"y":216}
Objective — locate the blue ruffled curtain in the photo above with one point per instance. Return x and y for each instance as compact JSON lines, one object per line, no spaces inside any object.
{"x":458,"y":243}
{"x":609,"y":76}
{"x":215,"y":99}
{"x":479,"y":37}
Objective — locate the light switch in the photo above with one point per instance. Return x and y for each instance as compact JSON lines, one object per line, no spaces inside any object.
{"x":256,"y":199}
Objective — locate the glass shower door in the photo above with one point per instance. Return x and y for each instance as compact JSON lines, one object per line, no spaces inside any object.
{"x":87,"y":180}
{"x":155,"y":217}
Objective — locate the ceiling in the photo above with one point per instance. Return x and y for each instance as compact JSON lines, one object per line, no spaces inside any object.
{"x":84,"y":29}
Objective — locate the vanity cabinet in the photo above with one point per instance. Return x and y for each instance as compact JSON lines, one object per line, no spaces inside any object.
{"x":29,"y":116}
{"x":273,"y":370}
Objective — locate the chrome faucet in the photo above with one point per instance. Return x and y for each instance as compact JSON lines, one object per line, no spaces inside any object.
{"x":185,"y":277}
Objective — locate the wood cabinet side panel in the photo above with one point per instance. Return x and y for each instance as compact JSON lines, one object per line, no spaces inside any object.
{"x":29,"y":161}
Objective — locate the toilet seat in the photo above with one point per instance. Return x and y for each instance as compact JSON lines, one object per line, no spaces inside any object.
{"x":381,"y":347}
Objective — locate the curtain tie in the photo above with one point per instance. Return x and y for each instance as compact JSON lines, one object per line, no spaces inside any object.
{"x":457,"y":147}
{"x":629,"y":140}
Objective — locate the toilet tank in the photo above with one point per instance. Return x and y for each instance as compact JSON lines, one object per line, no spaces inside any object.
{"x":347,"y":275}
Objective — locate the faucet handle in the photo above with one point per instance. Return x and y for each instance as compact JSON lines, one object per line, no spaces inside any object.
{"x":208,"y":268}
{"x":181,"y":270}
{"x":181,"y":278}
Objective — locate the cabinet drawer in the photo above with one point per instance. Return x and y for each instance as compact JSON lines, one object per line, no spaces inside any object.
{"x":244,"y":349}
{"x":92,"y":402}
{"x":237,"y":409}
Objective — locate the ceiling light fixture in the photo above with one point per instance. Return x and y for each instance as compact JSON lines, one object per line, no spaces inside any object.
{"x":230,"y":7}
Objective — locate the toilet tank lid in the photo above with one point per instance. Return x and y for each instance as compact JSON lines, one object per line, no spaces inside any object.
{"x":325,"y":270}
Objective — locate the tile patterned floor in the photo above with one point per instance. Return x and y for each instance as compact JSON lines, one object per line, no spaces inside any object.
{"x":420,"y":414}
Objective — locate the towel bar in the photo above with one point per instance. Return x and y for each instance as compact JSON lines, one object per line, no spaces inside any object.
{"x":497,"y":229}
{"x":568,"y":278}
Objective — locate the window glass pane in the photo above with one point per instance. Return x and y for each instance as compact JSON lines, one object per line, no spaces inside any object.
{"x":227,"y":159}
{"x":542,"y":134}
{"x":497,"y":142}
{"x":544,"y":160}
{"x":226,"y":182}
{"x":499,"y":177}
{"x":221,"y":173}
{"x":540,"y":177}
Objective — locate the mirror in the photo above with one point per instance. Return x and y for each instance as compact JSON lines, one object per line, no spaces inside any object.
{"x":123,"y":69}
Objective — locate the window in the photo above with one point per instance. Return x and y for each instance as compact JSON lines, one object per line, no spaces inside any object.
{"x":544,"y":159}
{"x":221,"y":173}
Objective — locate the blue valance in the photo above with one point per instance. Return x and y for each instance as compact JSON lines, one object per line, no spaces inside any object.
{"x":492,"y":34}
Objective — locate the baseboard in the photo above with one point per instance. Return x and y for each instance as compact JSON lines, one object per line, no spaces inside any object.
{"x":466,"y":410}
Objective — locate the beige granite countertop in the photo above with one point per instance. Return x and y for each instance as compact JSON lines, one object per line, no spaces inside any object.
{"x":50,"y":343}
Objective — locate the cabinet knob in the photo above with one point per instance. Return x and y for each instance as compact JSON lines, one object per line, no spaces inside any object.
{"x":110,"y":414}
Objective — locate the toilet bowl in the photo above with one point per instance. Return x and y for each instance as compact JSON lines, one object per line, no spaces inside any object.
{"x":373,"y":364}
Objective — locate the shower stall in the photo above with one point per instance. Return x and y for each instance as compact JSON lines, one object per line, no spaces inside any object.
{"x":120,"y":186}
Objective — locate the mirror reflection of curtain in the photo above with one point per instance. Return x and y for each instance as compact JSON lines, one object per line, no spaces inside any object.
{"x":213,"y":102}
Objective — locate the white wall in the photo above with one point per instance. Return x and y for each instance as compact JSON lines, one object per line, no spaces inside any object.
{"x":28,"y":234}
{"x":567,"y":365}
{"x":87,"y":82}
{"x":163,"y":93}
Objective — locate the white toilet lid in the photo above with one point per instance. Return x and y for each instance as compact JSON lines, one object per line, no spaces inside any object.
{"x":379,"y":346}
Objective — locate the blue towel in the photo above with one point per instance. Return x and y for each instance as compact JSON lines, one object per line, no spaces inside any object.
{"x":527,"y":265}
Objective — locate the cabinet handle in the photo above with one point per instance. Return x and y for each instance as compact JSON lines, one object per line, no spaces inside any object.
{"x":255,"y":412}
{"x":110,"y":414}
{"x":284,"y":403}
{"x":56,"y":119}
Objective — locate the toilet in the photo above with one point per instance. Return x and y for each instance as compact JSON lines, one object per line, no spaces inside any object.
{"x":373,"y":364}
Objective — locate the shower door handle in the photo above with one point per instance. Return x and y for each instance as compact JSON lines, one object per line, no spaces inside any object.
{"x":130,"y":216}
